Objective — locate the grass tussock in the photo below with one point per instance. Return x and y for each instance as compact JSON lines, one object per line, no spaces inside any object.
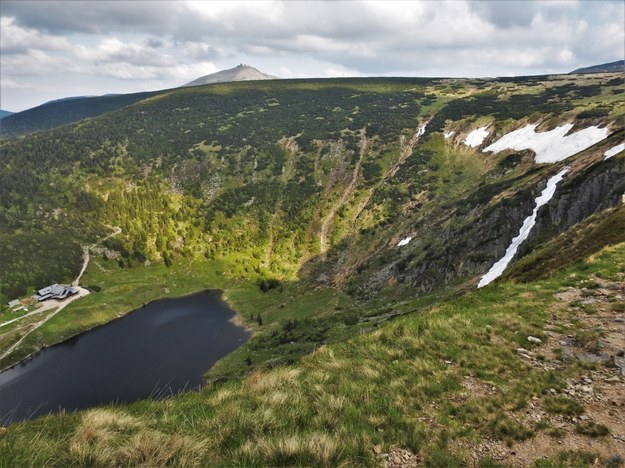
{"x":320,"y":448}
{"x":113,"y":438}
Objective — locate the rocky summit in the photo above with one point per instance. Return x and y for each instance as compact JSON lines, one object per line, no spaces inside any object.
{"x":239,"y":73}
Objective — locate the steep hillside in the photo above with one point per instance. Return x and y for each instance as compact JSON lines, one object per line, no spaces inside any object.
{"x":318,"y":181}
{"x":238,"y":73}
{"x":357,"y":217}
{"x":4,"y":114}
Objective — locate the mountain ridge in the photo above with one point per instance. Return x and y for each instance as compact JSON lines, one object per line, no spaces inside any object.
{"x":610,"y":67}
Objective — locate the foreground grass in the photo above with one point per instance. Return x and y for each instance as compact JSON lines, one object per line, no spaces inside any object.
{"x":403,"y":384}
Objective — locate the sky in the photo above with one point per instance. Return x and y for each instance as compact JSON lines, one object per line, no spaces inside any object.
{"x":55,"y":49}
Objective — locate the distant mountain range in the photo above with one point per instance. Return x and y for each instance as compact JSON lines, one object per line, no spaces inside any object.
{"x":66,"y":110}
{"x":238,"y":73}
{"x":612,"y":67}
{"x":71,"y":109}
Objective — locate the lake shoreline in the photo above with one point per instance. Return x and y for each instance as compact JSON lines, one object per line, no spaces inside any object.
{"x":158,"y":352}
{"x":235,"y":320}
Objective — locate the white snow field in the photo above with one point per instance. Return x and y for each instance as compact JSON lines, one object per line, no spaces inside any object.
{"x":404,"y":241}
{"x":498,"y":268}
{"x":421,"y":130}
{"x":551,"y":146}
{"x":476,"y":137}
{"x":448,"y":135}
{"x":614,"y":151}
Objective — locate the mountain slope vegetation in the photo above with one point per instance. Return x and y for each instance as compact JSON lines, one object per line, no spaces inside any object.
{"x":455,"y":384}
{"x":351,"y":215}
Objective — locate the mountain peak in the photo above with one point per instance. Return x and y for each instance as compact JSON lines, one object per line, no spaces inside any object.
{"x":241,"y":72}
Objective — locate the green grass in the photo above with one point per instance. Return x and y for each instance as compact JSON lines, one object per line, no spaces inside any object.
{"x":591,"y":429}
{"x":562,"y":405}
{"x":415,"y":382}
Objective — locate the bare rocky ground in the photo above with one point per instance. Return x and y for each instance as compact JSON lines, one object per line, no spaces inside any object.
{"x":585,"y":342}
{"x":586,"y":331}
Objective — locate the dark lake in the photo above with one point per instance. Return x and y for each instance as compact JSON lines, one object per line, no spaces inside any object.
{"x":156,"y":351}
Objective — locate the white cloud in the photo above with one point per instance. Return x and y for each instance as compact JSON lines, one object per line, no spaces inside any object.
{"x":112,"y":49}
{"x":11,"y":84}
{"x":565,"y":57}
{"x":200,"y":50}
{"x":16,"y":39}
{"x":171,"y":42}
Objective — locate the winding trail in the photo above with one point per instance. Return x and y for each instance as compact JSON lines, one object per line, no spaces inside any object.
{"x":325,"y":226}
{"x":53,"y":303}
{"x":85,"y":253}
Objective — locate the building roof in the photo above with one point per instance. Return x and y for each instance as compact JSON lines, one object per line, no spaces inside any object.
{"x":55,"y":291}
{"x":14,"y":302}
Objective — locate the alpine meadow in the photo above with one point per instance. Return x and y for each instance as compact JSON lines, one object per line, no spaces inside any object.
{"x":349,"y":223}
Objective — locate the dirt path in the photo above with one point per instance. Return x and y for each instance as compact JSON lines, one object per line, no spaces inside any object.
{"x":86,"y":256}
{"x":585,"y":338}
{"x":327,"y":222}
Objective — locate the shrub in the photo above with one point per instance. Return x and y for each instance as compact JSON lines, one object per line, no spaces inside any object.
{"x":268,"y":284}
{"x":591,"y":429}
{"x":563,"y":405}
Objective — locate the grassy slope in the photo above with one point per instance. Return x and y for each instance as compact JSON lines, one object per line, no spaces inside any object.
{"x":440,"y":384}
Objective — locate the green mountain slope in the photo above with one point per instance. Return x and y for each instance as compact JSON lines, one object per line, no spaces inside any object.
{"x":329,"y":207}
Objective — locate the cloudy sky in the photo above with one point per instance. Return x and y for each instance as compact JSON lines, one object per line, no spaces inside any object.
{"x":54,"y":49}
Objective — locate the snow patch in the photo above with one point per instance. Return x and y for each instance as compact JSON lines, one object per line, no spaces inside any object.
{"x":614,"y":151}
{"x":551,"y":146}
{"x":498,"y":268}
{"x":476,"y":137}
{"x":404,"y":241}
{"x":448,"y":135}
{"x":421,"y":130}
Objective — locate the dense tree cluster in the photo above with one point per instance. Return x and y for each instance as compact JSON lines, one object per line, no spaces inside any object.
{"x":36,"y":260}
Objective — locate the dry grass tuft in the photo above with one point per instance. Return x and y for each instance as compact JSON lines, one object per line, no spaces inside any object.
{"x":91,"y":442}
{"x":108,"y":438}
{"x":152,"y":448}
{"x":110,"y":419}
{"x":318,"y":447}
{"x":277,"y":379}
